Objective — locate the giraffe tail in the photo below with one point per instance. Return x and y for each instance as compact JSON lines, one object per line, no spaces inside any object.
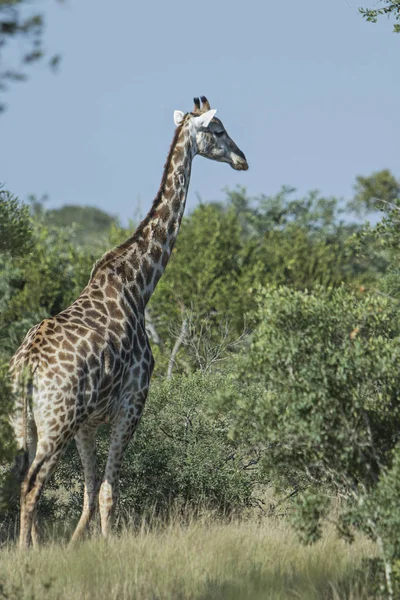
{"x":21,"y":421}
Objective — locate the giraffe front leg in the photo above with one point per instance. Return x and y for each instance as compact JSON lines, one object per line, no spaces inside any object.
{"x":121,"y":434}
{"x":85,"y":442}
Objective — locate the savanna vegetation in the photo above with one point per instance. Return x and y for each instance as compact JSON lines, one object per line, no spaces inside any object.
{"x":274,"y":406}
{"x":267,"y":464}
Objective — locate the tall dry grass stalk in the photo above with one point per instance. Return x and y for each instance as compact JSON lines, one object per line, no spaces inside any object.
{"x":200,"y":560}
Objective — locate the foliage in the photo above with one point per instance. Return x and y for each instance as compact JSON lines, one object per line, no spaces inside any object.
{"x":15,"y":225}
{"x":392,"y":8}
{"x":23,"y":26}
{"x":326,"y":376}
{"x":380,"y":243}
{"x":323,"y":400}
{"x":376,"y":192}
{"x":203,"y":271}
{"x":310,"y":395}
{"x":180,"y":457}
{"x":91,"y":224}
{"x":225,"y":249}
{"x":6,"y":443}
{"x":41,"y":283}
{"x":295,"y":241}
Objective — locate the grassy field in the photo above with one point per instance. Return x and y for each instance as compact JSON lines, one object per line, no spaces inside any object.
{"x":201,"y":561}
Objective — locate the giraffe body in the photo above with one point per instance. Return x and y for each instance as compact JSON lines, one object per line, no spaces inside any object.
{"x":92,"y":363}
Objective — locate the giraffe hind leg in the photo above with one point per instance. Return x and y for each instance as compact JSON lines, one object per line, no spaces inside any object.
{"x":39,"y":472}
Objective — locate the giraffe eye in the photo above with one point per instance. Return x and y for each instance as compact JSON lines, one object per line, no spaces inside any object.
{"x":219,"y":133}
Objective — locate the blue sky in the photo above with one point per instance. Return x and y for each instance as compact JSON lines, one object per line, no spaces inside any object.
{"x":308,"y":90}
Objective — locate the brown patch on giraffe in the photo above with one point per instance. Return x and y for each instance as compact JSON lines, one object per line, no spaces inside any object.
{"x":129,"y":330}
{"x":170,"y":181}
{"x":142,"y":244}
{"x":139,"y":279}
{"x":136,"y":350}
{"x":97,"y":295}
{"x":130,"y":298}
{"x":117,"y":329}
{"x":179,"y":153}
{"x":135,"y":261}
{"x":99,"y":306}
{"x":171,"y":227}
{"x":92,"y":323}
{"x":146,"y":296}
{"x":125,"y":271}
{"x":126,"y":344}
{"x":164,"y":212}
{"x":176,"y":204}
{"x":114,"y":310}
{"x":71,"y":337}
{"x":66,"y":356}
{"x":109,"y":292}
{"x":92,"y":314}
{"x":160,"y":234}
{"x":84,"y":346}
{"x":155,"y":252}
{"x":147,"y":270}
{"x":68,"y":346}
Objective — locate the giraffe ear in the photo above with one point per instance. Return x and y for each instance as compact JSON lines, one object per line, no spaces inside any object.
{"x":178,"y":117}
{"x":204,"y":119}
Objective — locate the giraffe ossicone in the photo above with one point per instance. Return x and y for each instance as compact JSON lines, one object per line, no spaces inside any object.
{"x":92,"y":363}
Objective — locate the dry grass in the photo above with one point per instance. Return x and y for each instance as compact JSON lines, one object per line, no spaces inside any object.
{"x":201,"y":561}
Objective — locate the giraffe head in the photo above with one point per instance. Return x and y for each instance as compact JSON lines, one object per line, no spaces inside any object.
{"x":209,"y":136}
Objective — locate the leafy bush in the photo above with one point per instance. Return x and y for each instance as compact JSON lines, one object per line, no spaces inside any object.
{"x":323,"y":400}
{"x":15,"y":225}
{"x":180,"y":456}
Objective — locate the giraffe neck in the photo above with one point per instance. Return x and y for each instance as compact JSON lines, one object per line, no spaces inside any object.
{"x":141,"y":260}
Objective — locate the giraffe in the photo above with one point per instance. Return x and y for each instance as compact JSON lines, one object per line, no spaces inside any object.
{"x":92,"y":363}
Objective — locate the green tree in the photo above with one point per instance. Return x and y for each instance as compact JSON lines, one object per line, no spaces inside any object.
{"x":91,"y":224}
{"x":377,"y":192}
{"x":322,"y":401}
{"x":379,"y":243}
{"x":21,"y":27}
{"x":15,"y":241}
{"x":15,"y":225}
{"x":296,"y":241}
{"x":202,"y":278}
{"x":391,"y":9}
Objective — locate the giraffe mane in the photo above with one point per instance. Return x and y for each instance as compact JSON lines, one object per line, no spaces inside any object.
{"x":119,"y":251}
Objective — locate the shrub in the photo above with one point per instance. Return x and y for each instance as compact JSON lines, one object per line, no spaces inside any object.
{"x":323,"y":385}
{"x":180,"y":456}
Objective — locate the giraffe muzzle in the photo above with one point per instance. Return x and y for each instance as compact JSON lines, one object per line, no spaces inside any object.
{"x":239,"y":162}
